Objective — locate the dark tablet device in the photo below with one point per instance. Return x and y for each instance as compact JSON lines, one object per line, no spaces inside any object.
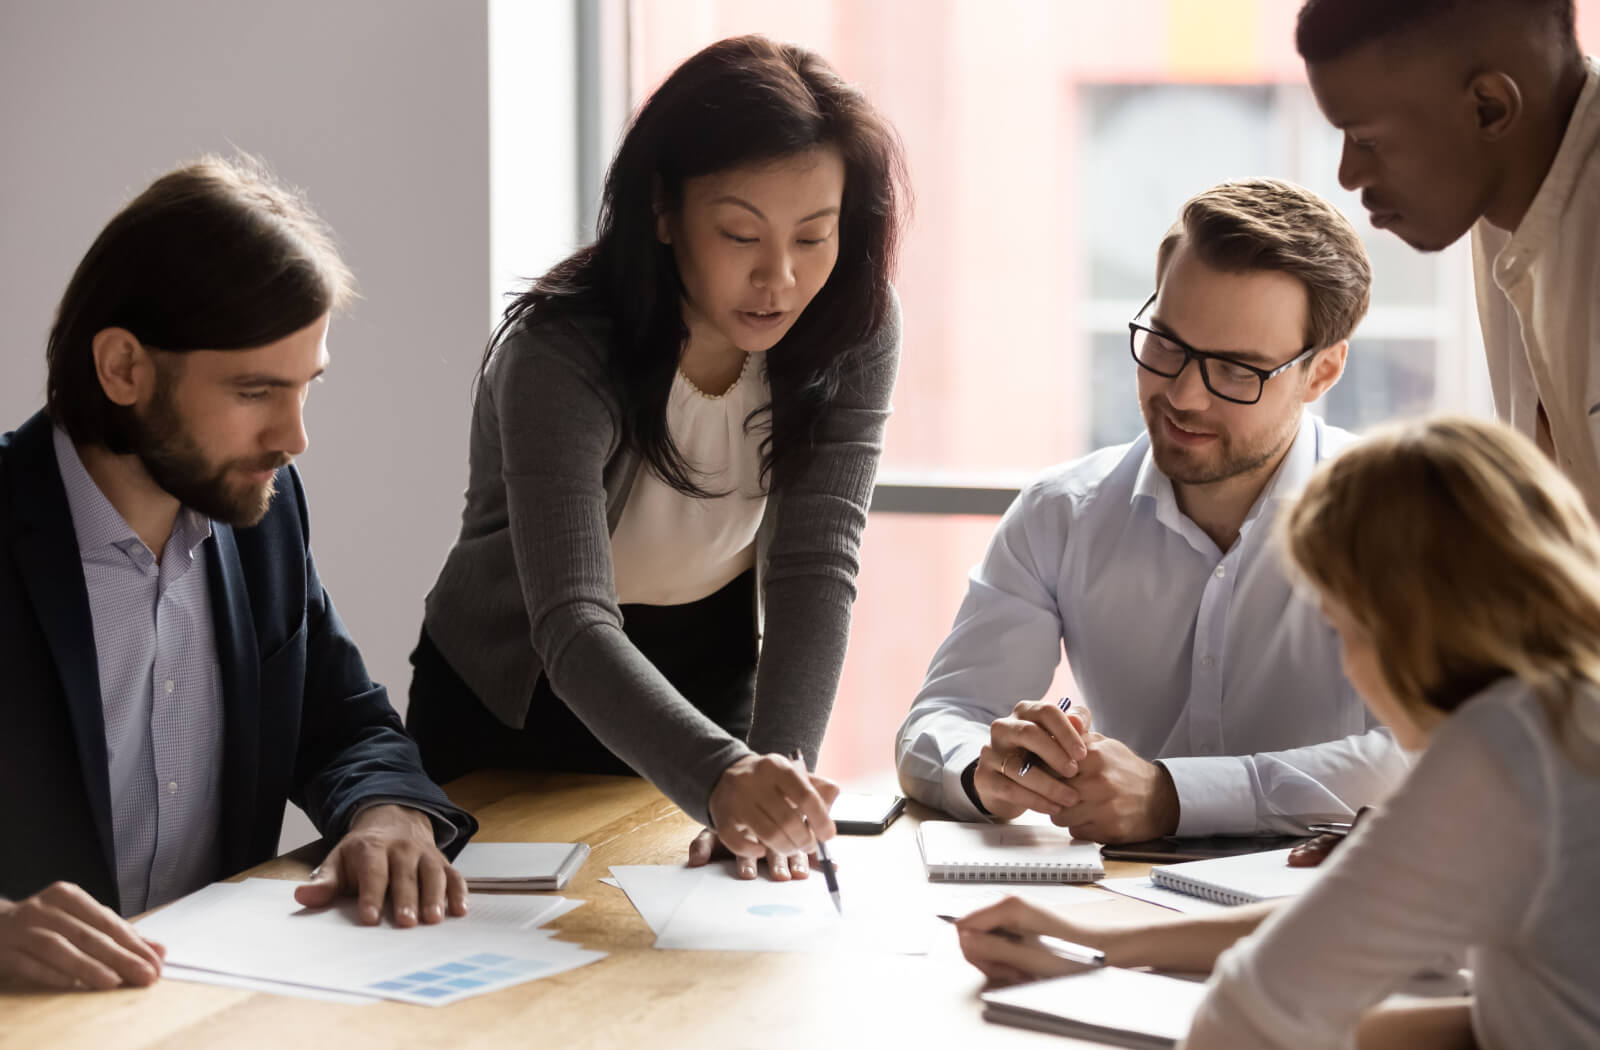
{"x":1172,"y":849}
{"x":865,"y":814}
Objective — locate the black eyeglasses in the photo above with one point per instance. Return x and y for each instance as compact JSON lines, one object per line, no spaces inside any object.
{"x":1231,"y":380}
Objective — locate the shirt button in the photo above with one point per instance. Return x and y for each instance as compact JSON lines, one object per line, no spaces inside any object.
{"x":1206,"y":661}
{"x":169,"y":685}
{"x":172,"y":787}
{"x":1222,"y":570}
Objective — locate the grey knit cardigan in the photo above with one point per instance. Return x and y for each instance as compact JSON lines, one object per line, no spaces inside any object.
{"x":528,"y":585}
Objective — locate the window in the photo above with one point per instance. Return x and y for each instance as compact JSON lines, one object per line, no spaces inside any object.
{"x":1051,"y":145}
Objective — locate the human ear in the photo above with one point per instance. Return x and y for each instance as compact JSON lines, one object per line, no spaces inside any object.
{"x":1497,"y":102}
{"x":122,"y":365}
{"x":1327,"y":365}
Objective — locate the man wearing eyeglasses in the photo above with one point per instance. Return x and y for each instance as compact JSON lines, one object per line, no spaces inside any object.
{"x":1219,"y":704}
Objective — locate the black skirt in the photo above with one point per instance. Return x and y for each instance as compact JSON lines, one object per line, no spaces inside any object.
{"x":707,"y":649}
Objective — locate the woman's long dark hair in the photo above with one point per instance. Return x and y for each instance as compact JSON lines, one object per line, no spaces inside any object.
{"x":741,"y":101}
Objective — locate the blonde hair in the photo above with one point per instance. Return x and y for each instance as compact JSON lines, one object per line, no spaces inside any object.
{"x":1273,"y":225}
{"x":1466,"y":556}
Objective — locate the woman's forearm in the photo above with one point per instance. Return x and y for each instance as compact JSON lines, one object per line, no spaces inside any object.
{"x":1184,"y":943}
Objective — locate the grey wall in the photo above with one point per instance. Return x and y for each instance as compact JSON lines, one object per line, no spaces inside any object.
{"x":379,"y":109}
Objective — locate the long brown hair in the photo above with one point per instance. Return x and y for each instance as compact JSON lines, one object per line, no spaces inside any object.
{"x":741,"y":101}
{"x":1467,"y":556}
{"x":216,"y":255}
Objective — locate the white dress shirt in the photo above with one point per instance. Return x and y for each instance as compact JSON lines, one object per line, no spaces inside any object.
{"x":1538,"y":293}
{"x":1208,"y":660}
{"x":672,"y":549}
{"x":1490,"y":846}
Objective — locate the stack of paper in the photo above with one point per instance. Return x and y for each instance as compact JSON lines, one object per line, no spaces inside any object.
{"x":521,"y":865}
{"x":254,"y":934}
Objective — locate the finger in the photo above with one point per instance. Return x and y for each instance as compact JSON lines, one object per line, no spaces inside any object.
{"x":457,"y":891}
{"x":431,"y":886}
{"x":994,"y":786}
{"x":1020,"y":734}
{"x":325,"y":882}
{"x":799,"y":866}
{"x":76,"y":902}
{"x":739,"y":841}
{"x":129,"y":966}
{"x":827,"y":789}
{"x":1061,"y":726}
{"x":745,"y":867}
{"x":1025,"y":957}
{"x":404,"y":900}
{"x":1081,"y":716}
{"x":56,"y":951}
{"x":25,"y":969}
{"x":777,"y":866}
{"x":371,"y":866}
{"x":700,"y":848}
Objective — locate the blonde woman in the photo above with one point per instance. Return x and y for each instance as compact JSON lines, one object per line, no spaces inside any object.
{"x":1462,"y":573}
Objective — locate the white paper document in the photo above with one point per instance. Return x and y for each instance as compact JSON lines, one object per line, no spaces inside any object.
{"x":520,"y":865}
{"x":255,"y":929}
{"x":711,"y":909}
{"x":1120,"y":1007}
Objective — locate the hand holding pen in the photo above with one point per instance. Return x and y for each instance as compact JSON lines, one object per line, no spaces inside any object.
{"x":1015,"y":940}
{"x":1031,"y":755}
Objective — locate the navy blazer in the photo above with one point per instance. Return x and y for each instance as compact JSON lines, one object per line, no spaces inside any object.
{"x":302,"y":721}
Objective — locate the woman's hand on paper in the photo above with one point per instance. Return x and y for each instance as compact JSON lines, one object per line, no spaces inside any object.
{"x":768,"y":806}
{"x":389,"y":852}
{"x":1006,"y":961}
{"x":63,"y":938}
{"x":781,"y":867}
{"x":1058,"y":741}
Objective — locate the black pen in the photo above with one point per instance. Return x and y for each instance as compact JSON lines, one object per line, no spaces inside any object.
{"x":824,"y":862}
{"x":1027,"y":763}
{"x":1070,"y":951}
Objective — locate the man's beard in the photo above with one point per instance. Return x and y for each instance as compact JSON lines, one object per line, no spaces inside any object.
{"x":1220,"y":463}
{"x":176,"y":463}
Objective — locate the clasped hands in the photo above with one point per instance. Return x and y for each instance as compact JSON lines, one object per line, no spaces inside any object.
{"x":61,"y":937}
{"x":767,"y":806}
{"x":1092,"y":784}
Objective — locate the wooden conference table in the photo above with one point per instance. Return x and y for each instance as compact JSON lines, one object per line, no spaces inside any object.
{"x":635,"y":997}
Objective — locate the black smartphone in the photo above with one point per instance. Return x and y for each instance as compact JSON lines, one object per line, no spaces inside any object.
{"x":1172,"y":848}
{"x":855,"y":813}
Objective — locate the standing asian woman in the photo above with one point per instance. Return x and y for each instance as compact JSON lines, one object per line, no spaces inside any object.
{"x":673,"y":447}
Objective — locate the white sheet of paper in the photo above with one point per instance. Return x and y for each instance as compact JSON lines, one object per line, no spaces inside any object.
{"x":255,"y":929}
{"x":656,"y":890}
{"x":961,"y":898}
{"x":1141,"y":888}
{"x":721,"y":912}
{"x":172,"y":972}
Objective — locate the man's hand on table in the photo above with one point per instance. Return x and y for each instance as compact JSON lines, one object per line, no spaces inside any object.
{"x":63,"y":938}
{"x":389,"y":852}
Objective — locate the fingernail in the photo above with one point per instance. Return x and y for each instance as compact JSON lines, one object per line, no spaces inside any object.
{"x":408,"y":914}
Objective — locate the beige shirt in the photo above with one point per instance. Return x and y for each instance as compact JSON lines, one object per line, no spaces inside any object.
{"x":1539,"y":303}
{"x":672,"y":549}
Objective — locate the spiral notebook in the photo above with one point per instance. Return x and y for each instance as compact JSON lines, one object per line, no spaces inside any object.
{"x":1238,"y":880}
{"x":955,"y":852}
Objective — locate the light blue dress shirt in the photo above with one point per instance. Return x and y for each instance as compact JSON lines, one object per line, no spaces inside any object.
{"x":160,"y":689}
{"x":1208,"y":660}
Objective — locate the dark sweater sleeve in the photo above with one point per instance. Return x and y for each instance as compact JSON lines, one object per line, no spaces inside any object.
{"x":810,"y":581}
{"x":558,"y":430}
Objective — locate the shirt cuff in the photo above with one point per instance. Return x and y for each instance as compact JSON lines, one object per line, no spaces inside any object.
{"x":957,"y":802}
{"x":444,"y":832}
{"x":1215,"y":796}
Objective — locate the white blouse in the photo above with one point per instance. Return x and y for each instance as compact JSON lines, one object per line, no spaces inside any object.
{"x":671,"y":549}
{"x":1492,"y":845}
